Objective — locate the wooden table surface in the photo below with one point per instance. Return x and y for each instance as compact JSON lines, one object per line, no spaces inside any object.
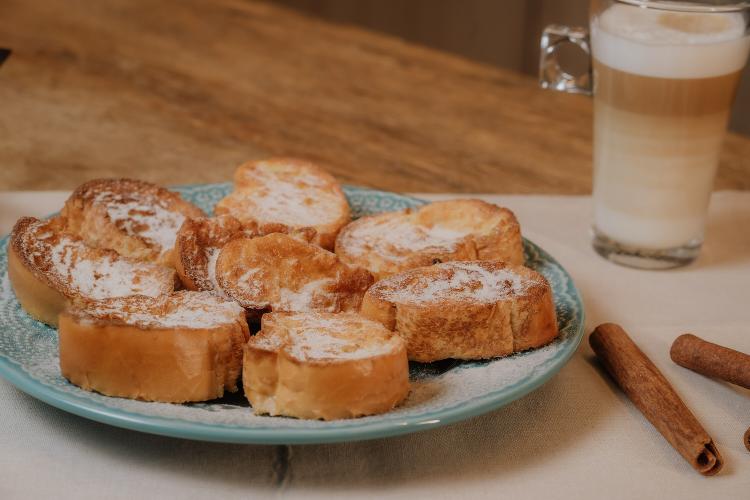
{"x":183,"y":91}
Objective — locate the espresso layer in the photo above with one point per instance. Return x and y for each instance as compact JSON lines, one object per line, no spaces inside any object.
{"x":667,"y":97}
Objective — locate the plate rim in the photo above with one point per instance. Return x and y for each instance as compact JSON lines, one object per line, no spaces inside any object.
{"x":14,"y":373}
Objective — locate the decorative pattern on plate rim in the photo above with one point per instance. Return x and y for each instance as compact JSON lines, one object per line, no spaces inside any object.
{"x":442,"y":392}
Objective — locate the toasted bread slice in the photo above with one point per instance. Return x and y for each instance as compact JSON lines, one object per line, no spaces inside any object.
{"x":49,"y":268}
{"x":180,"y":347}
{"x":200,"y":239}
{"x":136,"y":218}
{"x":392,"y":242}
{"x":324,"y":366}
{"x":465,"y":310}
{"x":293,"y":193}
{"x":280,"y":273}
{"x":197,"y":248}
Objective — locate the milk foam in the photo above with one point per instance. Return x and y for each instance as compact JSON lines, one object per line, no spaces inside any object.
{"x":663,"y":44}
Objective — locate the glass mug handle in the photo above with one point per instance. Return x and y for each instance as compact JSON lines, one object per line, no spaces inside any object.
{"x":551,"y":74}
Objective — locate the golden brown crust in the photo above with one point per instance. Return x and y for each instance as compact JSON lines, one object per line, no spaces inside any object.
{"x":197,"y":239}
{"x":200,"y":239}
{"x":324,"y":366}
{"x":49,"y":268}
{"x":288,"y":193}
{"x":392,"y":242}
{"x":138,"y":347}
{"x":465,"y":310}
{"x":136,"y":218}
{"x":37,"y":297}
{"x":277,"y":272}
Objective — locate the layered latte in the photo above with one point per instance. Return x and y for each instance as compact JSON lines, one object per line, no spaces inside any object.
{"x":664,"y":86}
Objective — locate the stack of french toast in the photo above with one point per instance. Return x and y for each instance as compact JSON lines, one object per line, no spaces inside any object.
{"x":279,"y":292}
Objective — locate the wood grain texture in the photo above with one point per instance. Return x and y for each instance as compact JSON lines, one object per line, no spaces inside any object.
{"x":184,"y":91}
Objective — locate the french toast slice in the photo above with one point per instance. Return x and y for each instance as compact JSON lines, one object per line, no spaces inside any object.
{"x":324,"y":366}
{"x":392,"y":242}
{"x":49,"y":268}
{"x":200,"y":239}
{"x":135,"y":218}
{"x":277,"y":272}
{"x":175,"y":348}
{"x":197,"y":248}
{"x":465,"y":310}
{"x":290,"y":192}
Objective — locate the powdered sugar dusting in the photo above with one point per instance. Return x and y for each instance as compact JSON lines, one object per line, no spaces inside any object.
{"x":249,"y":285}
{"x":106,"y":276}
{"x":429,"y":393}
{"x":149,"y":218}
{"x":313,"y":292}
{"x":254,"y":289}
{"x":33,"y":347}
{"x":316,"y":336}
{"x":180,"y":309}
{"x":267,"y":342}
{"x":453,"y":389}
{"x":92,"y":273}
{"x":474,"y":281}
{"x":296,"y":199}
{"x":289,"y":203}
{"x":396,"y":237}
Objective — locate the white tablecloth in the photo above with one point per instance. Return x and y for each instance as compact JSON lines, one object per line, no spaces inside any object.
{"x":575,"y":437}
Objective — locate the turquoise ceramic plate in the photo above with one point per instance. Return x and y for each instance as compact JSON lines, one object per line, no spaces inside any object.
{"x":442,"y":393}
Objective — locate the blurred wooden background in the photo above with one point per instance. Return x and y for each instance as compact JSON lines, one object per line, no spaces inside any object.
{"x":183,"y":91}
{"x":504,"y":33}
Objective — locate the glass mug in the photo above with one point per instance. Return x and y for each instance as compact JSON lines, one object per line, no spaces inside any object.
{"x":663,"y":75}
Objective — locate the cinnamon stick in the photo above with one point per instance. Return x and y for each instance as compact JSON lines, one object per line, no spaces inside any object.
{"x":647,"y":388}
{"x":711,"y":359}
{"x":747,"y":439}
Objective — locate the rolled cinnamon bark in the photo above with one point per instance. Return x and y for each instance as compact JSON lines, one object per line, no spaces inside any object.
{"x":711,"y":359}
{"x":747,"y":439}
{"x":647,"y":388}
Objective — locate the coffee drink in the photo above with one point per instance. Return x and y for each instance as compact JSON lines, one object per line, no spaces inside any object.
{"x":664,"y":83}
